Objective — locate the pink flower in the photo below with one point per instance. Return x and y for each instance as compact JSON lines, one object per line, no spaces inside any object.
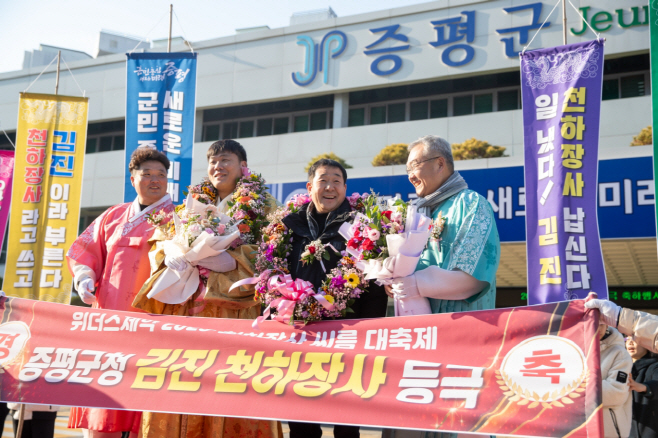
{"x":221,"y":228}
{"x":300,"y":199}
{"x":396,"y":216}
{"x":213,"y":209}
{"x":195,"y":230}
{"x":373,"y":234}
{"x":239,"y":214}
{"x":246,"y":172}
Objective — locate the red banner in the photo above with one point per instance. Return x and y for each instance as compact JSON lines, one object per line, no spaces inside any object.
{"x":531,"y":371}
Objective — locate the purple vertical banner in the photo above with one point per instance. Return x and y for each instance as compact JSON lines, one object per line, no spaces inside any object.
{"x":561,"y":91}
{"x":6,"y":176}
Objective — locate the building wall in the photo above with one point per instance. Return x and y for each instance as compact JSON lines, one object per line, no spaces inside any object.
{"x":282,"y":158}
{"x":257,"y":66}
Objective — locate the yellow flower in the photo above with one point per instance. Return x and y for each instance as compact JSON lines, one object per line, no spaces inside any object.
{"x":329,"y":298}
{"x":352,"y":280}
{"x":253,"y":195}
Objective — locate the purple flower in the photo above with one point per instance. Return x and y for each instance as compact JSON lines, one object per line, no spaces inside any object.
{"x":338,"y":282}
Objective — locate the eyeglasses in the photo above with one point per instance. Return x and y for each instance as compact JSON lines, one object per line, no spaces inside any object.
{"x":415,"y":164}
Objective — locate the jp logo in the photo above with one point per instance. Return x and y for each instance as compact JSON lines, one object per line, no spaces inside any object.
{"x":317,"y":56}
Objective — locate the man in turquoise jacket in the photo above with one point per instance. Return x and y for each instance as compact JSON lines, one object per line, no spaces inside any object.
{"x":457,"y":273}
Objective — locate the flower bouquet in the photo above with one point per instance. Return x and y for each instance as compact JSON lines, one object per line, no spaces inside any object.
{"x":291,"y":300}
{"x":197,"y":231}
{"x":288,"y":300}
{"x":386,"y":241}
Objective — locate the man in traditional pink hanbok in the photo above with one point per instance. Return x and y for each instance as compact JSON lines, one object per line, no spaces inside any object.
{"x":109,"y":262}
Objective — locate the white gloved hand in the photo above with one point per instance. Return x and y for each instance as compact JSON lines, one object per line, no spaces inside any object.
{"x":222,"y":262}
{"x":405,"y":287}
{"x":609,"y":310}
{"x":85,"y":291}
{"x":177,"y":263}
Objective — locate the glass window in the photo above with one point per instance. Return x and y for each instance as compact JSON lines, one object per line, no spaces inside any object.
{"x":264,"y":127}
{"x":462,"y":105}
{"x":281,"y":125}
{"x":211,"y":132}
{"x":318,"y":121}
{"x":106,"y":144}
{"x":119,"y":141}
{"x":230,"y":130}
{"x":396,"y":112}
{"x":91,"y":146}
{"x":610,"y":89}
{"x":418,"y":110}
{"x":377,"y":115}
{"x":483,"y":103}
{"x":438,"y":108}
{"x":331,"y":120}
{"x":508,"y":100}
{"x":246,"y":129}
{"x":632,"y":86}
{"x":356,"y":117}
{"x":301,"y":124}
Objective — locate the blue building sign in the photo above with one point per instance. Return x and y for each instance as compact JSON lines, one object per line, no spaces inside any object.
{"x":455,"y":38}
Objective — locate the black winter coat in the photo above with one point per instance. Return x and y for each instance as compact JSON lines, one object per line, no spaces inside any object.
{"x":371,"y":304}
{"x":645,"y":409}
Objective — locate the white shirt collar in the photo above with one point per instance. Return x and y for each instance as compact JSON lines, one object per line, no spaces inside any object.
{"x":135,"y":212}
{"x":222,"y":204}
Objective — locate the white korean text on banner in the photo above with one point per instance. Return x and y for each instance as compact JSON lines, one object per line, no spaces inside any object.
{"x":160,"y":110}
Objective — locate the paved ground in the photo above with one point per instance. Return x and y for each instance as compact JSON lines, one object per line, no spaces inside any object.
{"x":61,"y":431}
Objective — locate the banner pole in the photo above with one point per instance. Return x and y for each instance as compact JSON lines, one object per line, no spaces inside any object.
{"x":653,"y":54}
{"x":21,"y":420}
{"x":171,"y":13}
{"x":59,"y":58}
{"x":564,"y":22}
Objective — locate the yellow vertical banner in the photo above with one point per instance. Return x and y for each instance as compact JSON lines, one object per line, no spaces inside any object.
{"x":45,"y":206}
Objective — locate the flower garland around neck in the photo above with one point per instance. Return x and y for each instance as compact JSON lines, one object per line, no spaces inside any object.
{"x":246,"y":206}
{"x":289,"y":300}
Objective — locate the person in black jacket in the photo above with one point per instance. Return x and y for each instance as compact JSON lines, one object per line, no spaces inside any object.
{"x":644,"y":383}
{"x":321,"y":219}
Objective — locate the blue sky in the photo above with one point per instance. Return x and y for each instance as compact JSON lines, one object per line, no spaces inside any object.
{"x":75,"y":24}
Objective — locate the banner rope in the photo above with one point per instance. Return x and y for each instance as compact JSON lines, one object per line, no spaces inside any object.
{"x":30,"y":86}
{"x":149,"y":33}
{"x":598,"y":35}
{"x":540,"y":27}
{"x":9,"y":139}
{"x":183,"y":30}
{"x":74,"y":80}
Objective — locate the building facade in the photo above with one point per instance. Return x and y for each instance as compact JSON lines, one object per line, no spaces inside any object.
{"x":352,"y":85}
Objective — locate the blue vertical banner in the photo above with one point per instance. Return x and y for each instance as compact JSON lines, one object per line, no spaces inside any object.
{"x":160,"y":110}
{"x":561,"y":90}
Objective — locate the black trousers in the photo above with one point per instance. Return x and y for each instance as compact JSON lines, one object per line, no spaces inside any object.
{"x":4,"y":411}
{"x":312,"y":430}
{"x":42,"y":425}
